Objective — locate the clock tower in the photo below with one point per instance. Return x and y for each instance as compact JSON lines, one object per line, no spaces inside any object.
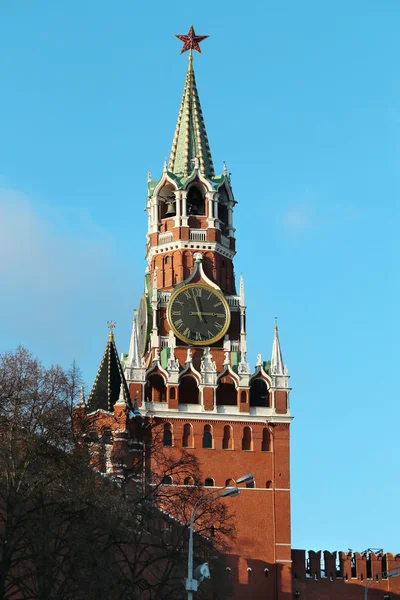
{"x":187,"y":363}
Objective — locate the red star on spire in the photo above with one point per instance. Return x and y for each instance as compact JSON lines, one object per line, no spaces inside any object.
{"x":191,"y":41}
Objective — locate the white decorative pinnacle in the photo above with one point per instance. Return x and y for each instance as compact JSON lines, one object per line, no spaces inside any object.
{"x":121,"y":397}
{"x":133,"y":356}
{"x":188,"y":356}
{"x":208,"y":368}
{"x":259,"y":362}
{"x":241,"y":300}
{"x":225,"y":170}
{"x":227,"y":359}
{"x":148,"y":176}
{"x":165,"y":167}
{"x":82,"y":402}
{"x":277,"y":367}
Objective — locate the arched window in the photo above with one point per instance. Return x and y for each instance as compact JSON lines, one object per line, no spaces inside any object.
{"x":188,"y":390}
{"x":189,"y":481}
{"x":259,"y":395}
{"x":195,"y":201}
{"x":166,"y":480}
{"x":187,"y":438}
{"x":247,"y":440}
{"x":207,"y":437}
{"x":268,"y":484}
{"x":229,"y":483}
{"x":167,"y":438}
{"x":209,"y":482}
{"x":167,"y":260}
{"x":155,"y":390}
{"x":251,"y":484}
{"x":227,"y":441}
{"x":226,"y":392}
{"x":266,"y":441}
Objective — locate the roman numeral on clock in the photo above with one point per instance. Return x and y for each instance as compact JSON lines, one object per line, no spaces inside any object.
{"x":186,"y":333}
{"x":178,"y":323}
{"x":219,"y":326}
{"x":176,"y":313}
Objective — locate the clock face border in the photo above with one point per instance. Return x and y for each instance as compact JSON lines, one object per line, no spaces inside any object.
{"x":219,"y":295}
{"x":142,"y":339}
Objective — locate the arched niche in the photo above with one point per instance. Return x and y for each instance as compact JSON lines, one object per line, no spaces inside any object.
{"x":188,"y":390}
{"x":247,"y":440}
{"x":166,"y":202}
{"x":155,"y":389}
{"x":226,"y":392}
{"x":227,"y":440}
{"x":187,"y":438}
{"x":259,"y":394}
{"x":195,"y":200}
{"x":208,"y":441}
{"x":167,"y":435}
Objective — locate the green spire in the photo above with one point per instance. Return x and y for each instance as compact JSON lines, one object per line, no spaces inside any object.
{"x":190,"y":140}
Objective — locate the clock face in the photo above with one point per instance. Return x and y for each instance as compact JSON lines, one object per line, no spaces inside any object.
{"x":198,"y":314}
{"x":143,"y":322}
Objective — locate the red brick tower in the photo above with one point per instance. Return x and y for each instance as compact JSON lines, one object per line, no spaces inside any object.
{"x":187,"y":357}
{"x":187,"y":362}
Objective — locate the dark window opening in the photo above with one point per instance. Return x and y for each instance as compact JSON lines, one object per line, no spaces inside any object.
{"x":166,"y":480}
{"x":259,"y":395}
{"x":187,"y":439}
{"x":167,"y":438}
{"x":353,"y":567}
{"x":172,"y":393}
{"x":188,"y":390}
{"x":227,"y":441}
{"x":207,"y":437}
{"x":155,"y":390}
{"x":209,"y":482}
{"x":250,"y":484}
{"x":269,"y":484}
{"x":266,"y":441}
{"x":189,"y":481}
{"x":243,"y":397}
{"x":212,"y":531}
{"x":247,"y":440}
{"x":195,"y":201}
{"x":226,"y":392}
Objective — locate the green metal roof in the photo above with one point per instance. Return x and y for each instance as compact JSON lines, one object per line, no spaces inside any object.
{"x":190,"y":139}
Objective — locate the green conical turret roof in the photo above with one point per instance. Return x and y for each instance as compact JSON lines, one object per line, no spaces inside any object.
{"x":190,"y":139}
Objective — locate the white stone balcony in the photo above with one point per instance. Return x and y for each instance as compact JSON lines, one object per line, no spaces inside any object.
{"x":165,"y":238}
{"x":198,"y":235}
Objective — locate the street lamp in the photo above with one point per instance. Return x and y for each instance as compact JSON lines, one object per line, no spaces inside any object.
{"x":391,"y":573}
{"x":225,"y":492}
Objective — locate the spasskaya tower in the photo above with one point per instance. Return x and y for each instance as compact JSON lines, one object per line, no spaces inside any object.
{"x":187,"y":363}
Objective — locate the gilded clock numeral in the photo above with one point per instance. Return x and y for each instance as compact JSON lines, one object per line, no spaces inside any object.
{"x":218,"y":304}
{"x":219,"y":326}
{"x":210,"y":335}
{"x":210,"y":295}
{"x":196,"y":292}
{"x":186,"y":333}
{"x":178,"y":323}
{"x":176,"y":313}
{"x":187,"y":294}
{"x":198,"y":336}
{"x":179,"y":302}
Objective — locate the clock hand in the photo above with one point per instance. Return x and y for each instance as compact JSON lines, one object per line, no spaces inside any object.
{"x":208,"y":314}
{"x":197,"y":306}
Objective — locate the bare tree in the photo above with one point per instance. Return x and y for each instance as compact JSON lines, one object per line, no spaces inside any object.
{"x":68,"y":531}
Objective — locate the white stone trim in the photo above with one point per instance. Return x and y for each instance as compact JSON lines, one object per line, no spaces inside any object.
{"x":197,"y":412}
{"x":189,"y":245}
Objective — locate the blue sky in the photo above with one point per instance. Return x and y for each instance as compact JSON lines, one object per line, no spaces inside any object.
{"x":303,"y":102}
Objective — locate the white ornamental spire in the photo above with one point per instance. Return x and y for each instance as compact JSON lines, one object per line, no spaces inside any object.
{"x":133,"y":356}
{"x":277,"y":367}
{"x":82,"y":401}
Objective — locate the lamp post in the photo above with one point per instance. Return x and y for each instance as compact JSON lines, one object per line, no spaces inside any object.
{"x":224,"y":492}
{"x":391,"y":573}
